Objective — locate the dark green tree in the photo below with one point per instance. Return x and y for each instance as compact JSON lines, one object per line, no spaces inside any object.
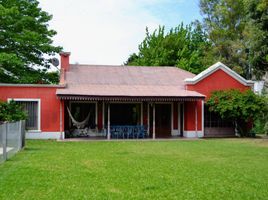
{"x":238,"y":32}
{"x":257,"y":35}
{"x":186,"y":47}
{"x":25,"y":42}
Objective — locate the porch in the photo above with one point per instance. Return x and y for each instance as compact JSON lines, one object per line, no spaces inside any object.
{"x":131,"y":119}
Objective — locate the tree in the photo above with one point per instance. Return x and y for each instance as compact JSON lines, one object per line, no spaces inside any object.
{"x":25,"y":42}
{"x":10,"y":111}
{"x":240,"y":107}
{"x":257,"y":34}
{"x":238,"y":32}
{"x":184,"y":46}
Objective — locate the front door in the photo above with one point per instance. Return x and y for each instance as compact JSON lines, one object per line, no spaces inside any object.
{"x":162,"y":120}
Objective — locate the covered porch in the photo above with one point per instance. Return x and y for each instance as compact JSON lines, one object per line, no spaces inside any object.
{"x":130,"y":118}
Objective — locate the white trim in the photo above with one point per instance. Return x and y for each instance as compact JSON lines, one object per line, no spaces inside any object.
{"x":60,"y":116}
{"x":38,"y":107}
{"x":125,"y":102}
{"x":193,"y":134}
{"x":183,"y":127}
{"x":172,"y":117}
{"x":32,"y":85}
{"x":61,"y":120}
{"x":154,"y":121}
{"x":175,"y":132}
{"x":108,"y":123}
{"x":43,"y":135}
{"x":196,"y":117}
{"x":214,"y":68}
{"x":203,"y":115}
{"x":96,"y":114}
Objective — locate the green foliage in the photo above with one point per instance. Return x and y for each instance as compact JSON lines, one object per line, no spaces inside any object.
{"x":25,"y":42}
{"x":241,"y":107}
{"x":239,"y":34}
{"x":261,"y":126}
{"x":256,"y":33}
{"x":184,"y":46}
{"x":10,"y":111}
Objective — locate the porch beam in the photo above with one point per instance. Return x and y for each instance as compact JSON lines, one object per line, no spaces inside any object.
{"x":153,"y":120}
{"x":108,"y":123}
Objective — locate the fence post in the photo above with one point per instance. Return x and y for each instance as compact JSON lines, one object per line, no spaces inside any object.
{"x":5,"y":141}
{"x":20,"y":135}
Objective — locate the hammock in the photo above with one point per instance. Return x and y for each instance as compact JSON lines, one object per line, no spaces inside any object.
{"x":79,"y":125}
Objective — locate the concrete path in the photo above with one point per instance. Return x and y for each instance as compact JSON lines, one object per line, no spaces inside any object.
{"x":8,"y":149}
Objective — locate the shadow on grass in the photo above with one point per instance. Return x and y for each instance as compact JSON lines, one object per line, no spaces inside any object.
{"x":31,"y":149}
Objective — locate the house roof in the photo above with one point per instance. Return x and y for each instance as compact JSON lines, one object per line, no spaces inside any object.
{"x":214,"y":68}
{"x":99,"y":81}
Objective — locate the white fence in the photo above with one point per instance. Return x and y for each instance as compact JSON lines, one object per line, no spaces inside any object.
{"x":12,"y":139}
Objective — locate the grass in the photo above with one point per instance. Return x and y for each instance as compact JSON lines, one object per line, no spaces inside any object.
{"x":195,"y":169}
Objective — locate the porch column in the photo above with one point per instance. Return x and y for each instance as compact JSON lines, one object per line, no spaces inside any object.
{"x":108,"y":123}
{"x":203,"y":131}
{"x":148,"y":118}
{"x":141,"y":113}
{"x":61,"y":119}
{"x":154,"y":121}
{"x":196,"y":119}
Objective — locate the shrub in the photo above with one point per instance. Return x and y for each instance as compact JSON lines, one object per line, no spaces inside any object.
{"x":10,"y":111}
{"x":244,"y":108}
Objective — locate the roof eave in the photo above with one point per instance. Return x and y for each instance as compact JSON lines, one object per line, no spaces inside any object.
{"x":32,"y":85}
{"x":215,"y":67}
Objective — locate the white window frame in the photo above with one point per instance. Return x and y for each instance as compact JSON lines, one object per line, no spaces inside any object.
{"x":38,"y":108}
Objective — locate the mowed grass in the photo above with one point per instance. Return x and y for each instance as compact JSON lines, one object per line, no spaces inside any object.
{"x":184,"y":169}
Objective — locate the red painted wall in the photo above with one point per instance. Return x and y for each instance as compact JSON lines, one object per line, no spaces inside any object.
{"x":189,"y":115}
{"x":145,"y":114}
{"x":219,"y":80}
{"x":50,"y":105}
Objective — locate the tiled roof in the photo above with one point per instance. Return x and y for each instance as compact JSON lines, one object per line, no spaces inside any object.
{"x":126,"y":81}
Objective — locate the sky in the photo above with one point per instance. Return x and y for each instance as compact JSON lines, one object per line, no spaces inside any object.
{"x":108,"y":31}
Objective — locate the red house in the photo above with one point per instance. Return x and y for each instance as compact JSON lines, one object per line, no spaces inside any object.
{"x":125,"y":102}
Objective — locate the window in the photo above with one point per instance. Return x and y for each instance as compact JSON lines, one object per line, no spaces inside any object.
{"x":213,"y":119}
{"x":32,"y":108}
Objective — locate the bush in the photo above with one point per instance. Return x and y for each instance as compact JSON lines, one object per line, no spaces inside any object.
{"x":261,"y":126}
{"x":244,"y":108}
{"x":10,"y":111}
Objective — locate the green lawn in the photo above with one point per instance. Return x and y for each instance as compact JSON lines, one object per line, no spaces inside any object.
{"x":185,"y":169}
